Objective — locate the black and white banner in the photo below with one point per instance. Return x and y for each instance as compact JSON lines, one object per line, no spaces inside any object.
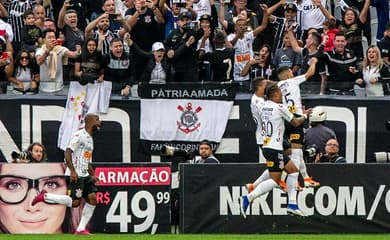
{"x":352,"y":198}
{"x":185,"y":113}
{"x":360,"y":125}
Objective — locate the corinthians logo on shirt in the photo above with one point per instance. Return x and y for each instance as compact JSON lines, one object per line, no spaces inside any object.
{"x":188,"y":119}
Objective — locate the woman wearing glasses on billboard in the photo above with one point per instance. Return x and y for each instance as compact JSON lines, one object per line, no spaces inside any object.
{"x":19,"y":184}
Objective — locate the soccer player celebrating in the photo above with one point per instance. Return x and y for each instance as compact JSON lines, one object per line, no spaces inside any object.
{"x":80,"y":174}
{"x":273,"y":114}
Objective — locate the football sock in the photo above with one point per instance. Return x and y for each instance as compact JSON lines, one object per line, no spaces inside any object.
{"x":262,"y":188}
{"x":56,"y":198}
{"x":264,"y":176}
{"x":297,"y":155}
{"x":291,"y":187}
{"x":86,"y":216}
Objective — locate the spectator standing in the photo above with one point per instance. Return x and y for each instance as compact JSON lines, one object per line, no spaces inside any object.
{"x":145,"y":20}
{"x":342,"y":69}
{"x":280,"y":23}
{"x":25,"y":77}
{"x":119,"y":68}
{"x":261,"y":65}
{"x":352,"y":25}
{"x":221,"y":60}
{"x":171,"y":14}
{"x":242,"y":41}
{"x":39,"y":14}
{"x":286,"y":57}
{"x":73,"y":36}
{"x":384,"y":45}
{"x":116,"y":19}
{"x":208,"y":25}
{"x":6,"y":61}
{"x":329,"y":34}
{"x":317,"y":83}
{"x":31,"y":34}
{"x":312,"y":15}
{"x":50,"y":59}
{"x":16,"y":10}
{"x":202,"y":7}
{"x":158,"y":67}
{"x":102,"y":34}
{"x":88,"y":66}
{"x":8,"y":29}
{"x":376,"y":73}
{"x":382,"y":13}
{"x":182,"y":48}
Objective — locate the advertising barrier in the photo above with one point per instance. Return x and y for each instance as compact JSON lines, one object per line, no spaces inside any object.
{"x":352,"y":198}
{"x":360,"y":125}
{"x":131,"y":198}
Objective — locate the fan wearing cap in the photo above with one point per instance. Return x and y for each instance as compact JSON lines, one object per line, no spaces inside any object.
{"x":171,"y":10}
{"x":158,"y":66}
{"x":318,"y":133}
{"x":206,"y":153}
{"x":181,"y":46}
{"x":281,"y":23}
{"x":145,"y":20}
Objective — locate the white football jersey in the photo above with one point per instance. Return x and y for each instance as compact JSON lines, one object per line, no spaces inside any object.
{"x":273,"y":116}
{"x":292,"y":99}
{"x":311,"y":15}
{"x":256,"y":103}
{"x":82,"y":147}
{"x":242,"y":54}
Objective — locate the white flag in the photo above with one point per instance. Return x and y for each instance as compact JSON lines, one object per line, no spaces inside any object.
{"x":91,"y":98}
{"x":184,"y":119}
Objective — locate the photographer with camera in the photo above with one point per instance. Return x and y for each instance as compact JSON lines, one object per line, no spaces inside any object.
{"x":206,"y":153}
{"x":331,"y":153}
{"x":318,"y":133}
{"x":35,"y":153}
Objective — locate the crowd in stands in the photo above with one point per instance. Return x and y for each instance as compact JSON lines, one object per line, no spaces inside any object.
{"x":46,"y":44}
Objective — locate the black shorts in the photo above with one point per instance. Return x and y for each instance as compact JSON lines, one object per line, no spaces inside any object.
{"x":294,"y":134}
{"x":276,"y":160}
{"x":82,"y":188}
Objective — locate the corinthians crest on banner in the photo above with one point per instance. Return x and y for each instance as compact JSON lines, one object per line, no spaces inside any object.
{"x":189,"y":119}
{"x":179,"y":115}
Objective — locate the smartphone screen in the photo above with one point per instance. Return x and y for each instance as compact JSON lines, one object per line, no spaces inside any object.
{"x":4,"y":55}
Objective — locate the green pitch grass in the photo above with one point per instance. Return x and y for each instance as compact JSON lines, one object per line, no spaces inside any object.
{"x":202,"y":236}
